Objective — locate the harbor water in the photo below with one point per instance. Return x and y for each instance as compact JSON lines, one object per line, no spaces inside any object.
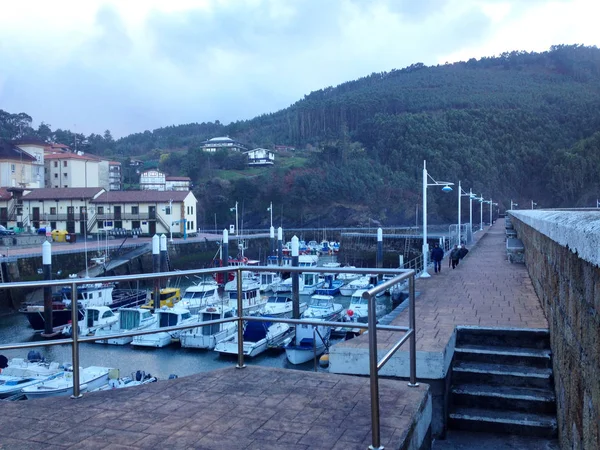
{"x":160,"y":362}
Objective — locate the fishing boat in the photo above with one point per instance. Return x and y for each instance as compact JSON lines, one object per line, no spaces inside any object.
{"x":89,"y":294}
{"x":234,"y":263}
{"x":286,"y":285}
{"x":330,"y":286}
{"x":169,"y":297}
{"x":130,"y":319}
{"x":94,"y":317}
{"x":208,"y":336}
{"x":323,"y":307}
{"x":166,"y":317}
{"x":90,"y":378}
{"x":310,"y":282}
{"x":252,"y":301}
{"x":268,"y":280}
{"x":309,"y":342}
{"x":363,"y":282}
{"x":21,"y":373}
{"x":198,"y":296}
{"x":282,"y":306}
{"x":258,"y":337}
{"x":358,"y":310}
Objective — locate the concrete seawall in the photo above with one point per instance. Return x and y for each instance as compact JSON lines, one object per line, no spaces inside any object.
{"x":562,"y":254}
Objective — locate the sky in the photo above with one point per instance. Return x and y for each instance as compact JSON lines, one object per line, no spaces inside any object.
{"x":130,"y":66}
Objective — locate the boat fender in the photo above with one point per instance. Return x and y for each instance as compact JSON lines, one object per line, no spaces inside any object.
{"x":173,"y":376}
{"x":324,"y":360}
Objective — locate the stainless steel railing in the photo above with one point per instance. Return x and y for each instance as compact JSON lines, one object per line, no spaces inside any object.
{"x":372,"y":327}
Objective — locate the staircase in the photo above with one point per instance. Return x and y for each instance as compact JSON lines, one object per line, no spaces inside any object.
{"x":502,"y":382}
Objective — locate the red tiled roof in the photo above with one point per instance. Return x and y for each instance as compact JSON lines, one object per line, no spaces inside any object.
{"x":141,"y":196}
{"x":5,"y":194}
{"x":62,"y":193}
{"x":70,"y":156}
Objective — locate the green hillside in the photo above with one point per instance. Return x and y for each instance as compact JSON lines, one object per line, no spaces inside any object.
{"x":521,"y":126}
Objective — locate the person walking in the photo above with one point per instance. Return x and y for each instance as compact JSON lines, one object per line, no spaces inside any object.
{"x":437,"y":254}
{"x":462,"y":252}
{"x":454,"y":257}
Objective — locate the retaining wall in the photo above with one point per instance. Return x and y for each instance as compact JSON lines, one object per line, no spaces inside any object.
{"x":562,"y":253}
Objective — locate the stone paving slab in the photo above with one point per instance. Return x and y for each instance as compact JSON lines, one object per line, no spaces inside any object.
{"x":484,"y":290}
{"x":253,"y":408}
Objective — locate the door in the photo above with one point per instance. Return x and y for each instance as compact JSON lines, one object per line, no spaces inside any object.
{"x":35,"y":216}
{"x":117,"y":213}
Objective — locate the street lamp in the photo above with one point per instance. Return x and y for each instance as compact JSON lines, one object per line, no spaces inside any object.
{"x":270,"y":208}
{"x":480,"y":200}
{"x":426,"y":183}
{"x":513,"y":204}
{"x":533,"y":204}
{"x":469,"y":194}
{"x":171,"y":220}
{"x":235,"y":208}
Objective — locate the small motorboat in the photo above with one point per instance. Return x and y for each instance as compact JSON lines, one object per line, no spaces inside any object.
{"x":281,"y":306}
{"x":130,"y":319}
{"x":323,"y":307}
{"x":166,"y":317}
{"x":309,"y":341}
{"x":94,"y":317}
{"x":207,"y":336}
{"x":21,"y":373}
{"x":90,"y":378}
{"x":258,"y":337}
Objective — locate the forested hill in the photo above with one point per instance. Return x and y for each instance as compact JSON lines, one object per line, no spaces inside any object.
{"x":522,"y":126}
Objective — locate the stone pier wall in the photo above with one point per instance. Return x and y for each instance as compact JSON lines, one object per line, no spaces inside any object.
{"x":562,"y":253}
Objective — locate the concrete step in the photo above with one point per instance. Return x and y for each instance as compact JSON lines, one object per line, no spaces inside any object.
{"x":503,"y":337}
{"x":501,"y":375}
{"x":531,"y":357}
{"x":477,"y":419}
{"x":508,"y":398}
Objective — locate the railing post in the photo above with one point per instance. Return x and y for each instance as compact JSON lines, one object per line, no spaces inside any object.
{"x":374,"y":377}
{"x":240,"y":309}
{"x":413,"y":336}
{"x":75,"y":337}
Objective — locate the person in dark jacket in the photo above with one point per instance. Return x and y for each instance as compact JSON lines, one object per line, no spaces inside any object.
{"x":462,"y":252}
{"x":454,"y":257}
{"x":437,"y":254}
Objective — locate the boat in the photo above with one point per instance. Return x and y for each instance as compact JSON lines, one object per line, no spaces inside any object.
{"x":130,"y":319}
{"x":20,"y":373}
{"x":208,"y":335}
{"x":348,"y":277}
{"x":166,"y":317}
{"x":363,"y":282}
{"x":94,"y":317}
{"x":199,"y":296}
{"x":169,"y":297}
{"x":252,"y":301}
{"x":331,"y":286}
{"x":258,"y":337}
{"x":89,"y":294}
{"x":323,"y":307}
{"x":90,"y":378}
{"x":268,"y":280}
{"x":115,"y":381}
{"x":233,"y":263}
{"x":286,"y":285}
{"x":358,"y":310}
{"x":310,"y":281}
{"x":309,"y":342}
{"x":281,"y":306}
{"x":308,"y":260}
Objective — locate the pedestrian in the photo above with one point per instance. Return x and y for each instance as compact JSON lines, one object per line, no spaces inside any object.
{"x":462,"y":252}
{"x":437,"y":254}
{"x":454,"y":257}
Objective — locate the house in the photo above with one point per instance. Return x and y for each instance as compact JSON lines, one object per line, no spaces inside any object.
{"x":155,"y":180}
{"x":224,"y":142}
{"x":148,"y":211}
{"x":115,"y":176}
{"x":71,"y":170}
{"x":260,"y":157}
{"x":177,"y":183}
{"x":19,"y":168}
{"x":284,"y":148}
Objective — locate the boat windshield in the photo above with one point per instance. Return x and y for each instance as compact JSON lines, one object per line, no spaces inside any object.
{"x":277,"y":300}
{"x":320,"y":302}
{"x":190,"y":295}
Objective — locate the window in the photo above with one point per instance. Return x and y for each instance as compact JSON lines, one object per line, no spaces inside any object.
{"x":135,"y":224}
{"x":53,"y":210}
{"x":64,"y":163}
{"x":55,"y":163}
{"x":53,"y":225}
{"x":118,"y":224}
{"x":66,"y":186}
{"x":65,"y":175}
{"x":168,"y":211}
{"x":135,"y":210}
{"x":100,"y":209}
{"x":100,"y":224}
{"x":55,"y":175}
{"x":13,"y":169}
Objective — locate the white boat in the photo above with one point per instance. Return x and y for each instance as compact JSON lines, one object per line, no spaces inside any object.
{"x":258,"y":337}
{"x":90,"y":378}
{"x":117,"y":382}
{"x":323,"y":307}
{"x":310,"y":281}
{"x":309,"y":341}
{"x":199,"y":296}
{"x":130,"y":319}
{"x":358,"y":310}
{"x":166,"y":317}
{"x":94,"y":317}
{"x":252,"y":301}
{"x":268,"y":280}
{"x":364,"y":282}
{"x":281,"y":306}
{"x":308,"y":260}
{"x":348,"y":277}
{"x":21,"y":373}
{"x":208,"y":335}
{"x":286,"y":285}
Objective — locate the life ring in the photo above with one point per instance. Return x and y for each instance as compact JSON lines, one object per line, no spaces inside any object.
{"x":244,"y":259}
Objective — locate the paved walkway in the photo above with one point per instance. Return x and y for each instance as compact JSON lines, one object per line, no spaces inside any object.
{"x":228,"y":409}
{"x":484,"y":290}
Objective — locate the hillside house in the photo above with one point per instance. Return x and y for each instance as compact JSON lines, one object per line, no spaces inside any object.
{"x":224,"y":142}
{"x":260,"y":157}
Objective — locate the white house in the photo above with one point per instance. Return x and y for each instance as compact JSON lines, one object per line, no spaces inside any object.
{"x":177,"y":183}
{"x":71,"y":170}
{"x":260,"y":157}
{"x":152,"y":180}
{"x":223,"y":142}
{"x":19,"y":168}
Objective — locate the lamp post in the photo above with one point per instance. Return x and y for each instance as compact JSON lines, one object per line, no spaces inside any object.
{"x":270,"y":208}
{"x":533,"y":204}
{"x":426,"y":183}
{"x":513,"y":204}
{"x":462,"y":193}
{"x":235,"y":208}
{"x":480,"y":200}
{"x":171,"y":220}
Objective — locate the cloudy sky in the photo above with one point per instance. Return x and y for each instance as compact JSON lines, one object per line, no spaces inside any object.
{"x":129,"y":65}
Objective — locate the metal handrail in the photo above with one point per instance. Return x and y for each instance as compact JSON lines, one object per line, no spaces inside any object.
{"x":371,"y":326}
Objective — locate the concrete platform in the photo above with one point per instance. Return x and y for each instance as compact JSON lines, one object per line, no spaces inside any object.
{"x":252,"y":408}
{"x":484,"y":290}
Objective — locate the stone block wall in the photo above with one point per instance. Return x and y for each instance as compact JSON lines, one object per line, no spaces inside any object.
{"x":560,"y":251}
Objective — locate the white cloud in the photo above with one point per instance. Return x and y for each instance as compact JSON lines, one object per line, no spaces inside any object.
{"x":131,"y":66}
